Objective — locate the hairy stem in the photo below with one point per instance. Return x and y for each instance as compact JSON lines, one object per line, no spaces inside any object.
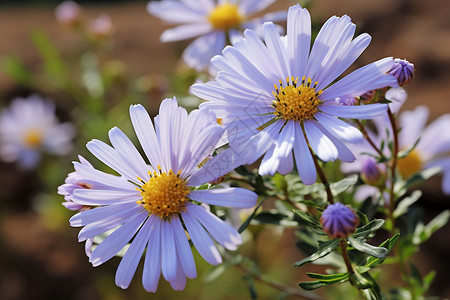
{"x":393,"y":165}
{"x":348,"y":264}
{"x":367,"y":137}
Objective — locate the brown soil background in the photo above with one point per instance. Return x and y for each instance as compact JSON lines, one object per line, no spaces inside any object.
{"x":37,"y":262}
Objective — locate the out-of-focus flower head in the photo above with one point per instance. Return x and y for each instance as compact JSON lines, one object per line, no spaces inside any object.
{"x":68,"y":13}
{"x":28,"y":127}
{"x":154,"y":204}
{"x":339,"y":220}
{"x":101,"y":27}
{"x":371,"y":173}
{"x":403,"y":70}
{"x":278,"y":95}
{"x":213,"y":22}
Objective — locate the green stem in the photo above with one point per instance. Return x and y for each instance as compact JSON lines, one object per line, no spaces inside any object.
{"x":367,"y":137}
{"x":393,"y":166}
{"x":278,"y":286}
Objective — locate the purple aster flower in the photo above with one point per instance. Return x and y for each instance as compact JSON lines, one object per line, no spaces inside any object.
{"x":68,"y":13}
{"x":154,"y":204}
{"x":339,"y":220}
{"x":371,"y":173}
{"x":211,"y":23}
{"x":277,"y":96}
{"x":403,"y":70}
{"x":28,"y":127}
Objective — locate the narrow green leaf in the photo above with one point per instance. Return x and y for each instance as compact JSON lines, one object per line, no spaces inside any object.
{"x":379,"y":252}
{"x":251,"y":287}
{"x":343,"y":185}
{"x":437,"y":223}
{"x":405,"y":203}
{"x":215,"y":272}
{"x":325,"y":248}
{"x":420,"y":177}
{"x":308,"y":219}
{"x":14,"y":69}
{"x":312,"y":285}
{"x":389,"y":244}
{"x":249,"y":219}
{"x":275,"y":218}
{"x":328,"y":277}
{"x":365,"y":230}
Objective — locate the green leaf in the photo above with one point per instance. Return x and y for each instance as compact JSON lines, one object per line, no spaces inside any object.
{"x":404,"y":153}
{"x":389,"y":244}
{"x":325,"y":248}
{"x":249,"y":219}
{"x":405,"y":203}
{"x":419,"y":178}
{"x":437,"y":223}
{"x":14,"y":69}
{"x":279,"y":181}
{"x":365,"y":230}
{"x":251,"y":287}
{"x":360,"y":281}
{"x":312,"y":285}
{"x":328,"y":277}
{"x":54,"y":65}
{"x":215,"y":272}
{"x":343,"y":185}
{"x":360,"y":245}
{"x":275,"y":218}
{"x":308,"y":219}
{"x":324,"y":280}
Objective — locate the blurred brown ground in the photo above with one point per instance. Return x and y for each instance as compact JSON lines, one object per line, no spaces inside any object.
{"x":39,"y":263}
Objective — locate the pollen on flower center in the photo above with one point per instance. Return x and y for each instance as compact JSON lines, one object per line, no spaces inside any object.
{"x":33,"y":138}
{"x":225,"y":16}
{"x":296,"y":102}
{"x":410,"y":165}
{"x":164,"y":193}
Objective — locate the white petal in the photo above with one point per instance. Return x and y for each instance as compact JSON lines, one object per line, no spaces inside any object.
{"x":117,"y":240}
{"x":174,"y":11}
{"x":199,"y":53}
{"x":146,"y":134}
{"x":105,"y":197}
{"x":201,"y":239}
{"x":354,"y":112}
{"x":128,"y":152}
{"x":305,"y":164}
{"x":276,"y":49}
{"x":99,"y":213}
{"x":270,"y":162}
{"x":340,"y":128}
{"x":298,"y":39}
{"x":222,"y":232}
{"x":184,"y":251}
{"x":227,"y":197}
{"x":412,"y":124}
{"x":320,"y":143}
{"x":184,"y":32}
{"x":250,"y":6}
{"x":130,"y":260}
{"x":152,"y":265}
{"x":168,"y":252}
{"x":286,"y":164}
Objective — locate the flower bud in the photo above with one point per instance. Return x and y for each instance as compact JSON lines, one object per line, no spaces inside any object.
{"x":339,"y":220}
{"x":371,"y":173}
{"x":403,"y":70}
{"x":101,"y":27}
{"x":346,"y":100}
{"x":68,"y":13}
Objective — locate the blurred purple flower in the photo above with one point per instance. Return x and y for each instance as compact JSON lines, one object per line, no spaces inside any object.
{"x":68,"y":13}
{"x":28,"y":127}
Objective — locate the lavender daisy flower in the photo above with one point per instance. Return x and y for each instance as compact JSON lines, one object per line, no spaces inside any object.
{"x":28,"y":127}
{"x":212,"y":22}
{"x":153,"y":204}
{"x":433,"y":148}
{"x":403,"y":70}
{"x":277,"y":96}
{"x":339,"y":221}
{"x":68,"y":13}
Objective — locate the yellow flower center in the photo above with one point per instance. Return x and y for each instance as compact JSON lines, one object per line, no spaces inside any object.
{"x":410,"y":165}
{"x":225,"y":16}
{"x":164,"y":194}
{"x":296,"y":102}
{"x":33,"y":138}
